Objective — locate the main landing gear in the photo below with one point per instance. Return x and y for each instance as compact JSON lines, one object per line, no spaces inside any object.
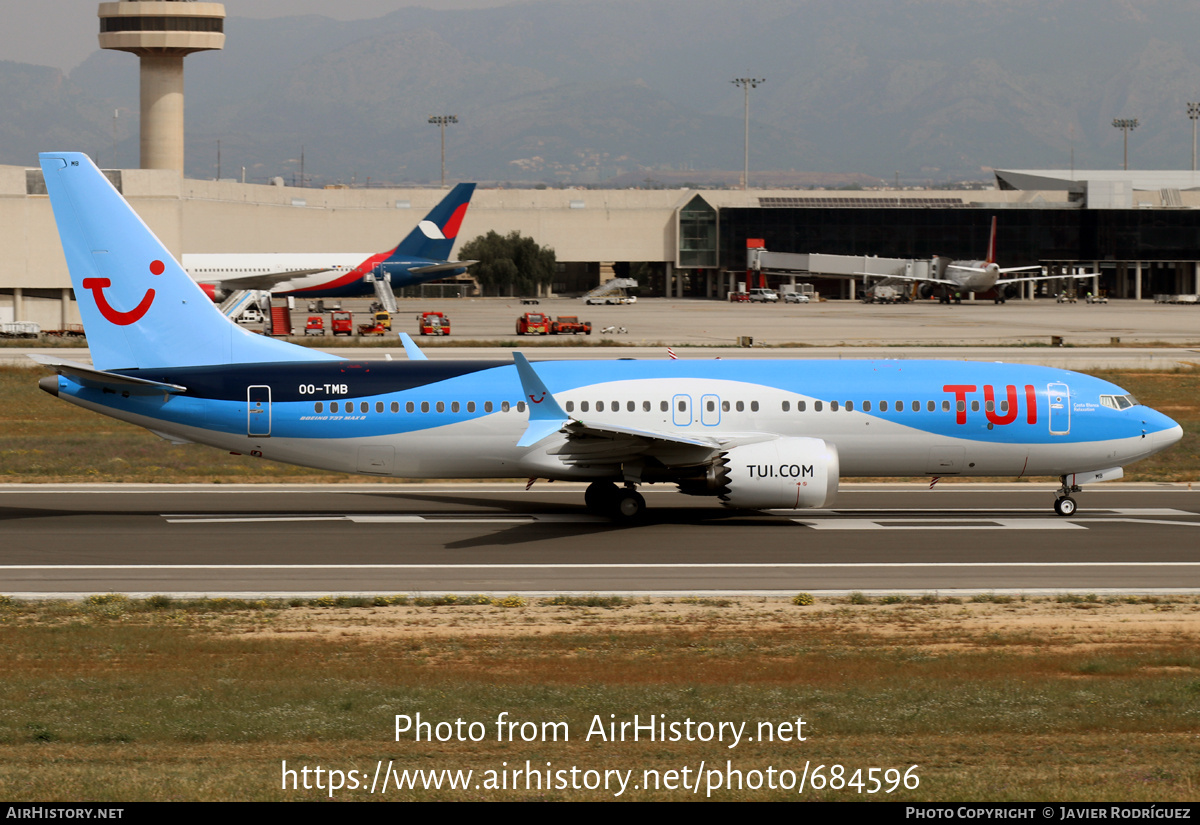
{"x":621,"y":504}
{"x":1064,"y":505}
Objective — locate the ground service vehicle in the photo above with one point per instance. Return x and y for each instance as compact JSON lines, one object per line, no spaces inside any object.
{"x":570,"y":325}
{"x":369,"y":329}
{"x":384,"y":319}
{"x":315,"y":325}
{"x":739,"y":297}
{"x":342,"y":323}
{"x":752,"y":434}
{"x":434,"y":323}
{"x":795,"y":298}
{"x":533,"y":323}
{"x":763,"y":296}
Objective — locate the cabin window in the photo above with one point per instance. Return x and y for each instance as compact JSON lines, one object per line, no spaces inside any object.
{"x":333,"y":406}
{"x":1003,"y":406}
{"x":424,"y":406}
{"x":630,"y":406}
{"x":990,"y":406}
{"x":785,"y":406}
{"x":470,"y":406}
{"x":664,"y":406}
{"x":833,"y":406}
{"x":645,"y":406}
{"x":883,"y":406}
{"x":725,"y":406}
{"x":962,"y":406}
{"x":363,"y":406}
{"x":408,"y":407}
{"x":741,"y":406}
{"x":753,"y":406}
{"x":454,"y":406}
{"x":866,"y":406}
{"x":599,"y":406}
{"x":378,"y":406}
{"x":931,"y":406}
{"x":318,"y":407}
{"x":946,"y":405}
{"x":520,"y":406}
{"x":441,"y":406}
{"x":849,"y":406}
{"x":916,"y":406}
{"x":682,"y":406}
{"x":583,"y":406}
{"x":505,"y":406}
{"x":570,"y":406}
{"x":395,"y":406}
{"x":487,"y":406}
{"x":616,"y":406}
{"x":818,"y":406}
{"x":974,"y":406}
{"x":800,"y":405}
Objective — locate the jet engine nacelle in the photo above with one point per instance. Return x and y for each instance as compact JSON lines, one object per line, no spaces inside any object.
{"x":784,"y":474}
{"x":927,"y":291}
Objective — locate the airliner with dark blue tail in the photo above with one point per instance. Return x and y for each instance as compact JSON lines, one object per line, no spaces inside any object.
{"x":750,"y":434}
{"x":423,"y":255}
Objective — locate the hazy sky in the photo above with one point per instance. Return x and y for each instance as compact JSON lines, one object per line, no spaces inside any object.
{"x":62,"y":33}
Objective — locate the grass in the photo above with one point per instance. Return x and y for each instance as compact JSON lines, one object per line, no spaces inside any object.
{"x":43,"y":439}
{"x":112,"y":699}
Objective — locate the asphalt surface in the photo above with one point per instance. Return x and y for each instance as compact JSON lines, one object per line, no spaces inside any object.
{"x":500,"y":538}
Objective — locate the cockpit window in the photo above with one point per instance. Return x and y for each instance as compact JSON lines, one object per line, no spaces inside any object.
{"x":1118,"y":402}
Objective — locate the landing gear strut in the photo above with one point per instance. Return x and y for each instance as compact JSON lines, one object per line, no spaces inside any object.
{"x":1064,"y":505}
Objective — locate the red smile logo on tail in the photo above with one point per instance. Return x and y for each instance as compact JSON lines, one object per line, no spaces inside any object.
{"x":115,"y":316}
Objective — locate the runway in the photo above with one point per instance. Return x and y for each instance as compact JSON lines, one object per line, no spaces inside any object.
{"x":191,"y":540}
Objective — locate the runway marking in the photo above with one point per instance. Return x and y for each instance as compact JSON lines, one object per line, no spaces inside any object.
{"x":603,"y":566}
{"x":944,"y":524}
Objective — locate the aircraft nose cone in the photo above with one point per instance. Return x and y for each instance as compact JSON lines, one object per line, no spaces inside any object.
{"x":1166,"y":438}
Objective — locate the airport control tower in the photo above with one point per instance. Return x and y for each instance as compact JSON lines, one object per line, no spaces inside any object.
{"x":161,"y":33}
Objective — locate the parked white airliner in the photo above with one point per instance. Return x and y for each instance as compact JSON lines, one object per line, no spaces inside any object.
{"x":752,"y":434}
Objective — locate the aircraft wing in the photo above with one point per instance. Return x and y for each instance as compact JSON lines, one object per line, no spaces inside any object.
{"x":442,"y":267}
{"x":1080,"y":276}
{"x":264,"y":281}
{"x":984,"y":269}
{"x":920,"y":279}
{"x":592,"y":443}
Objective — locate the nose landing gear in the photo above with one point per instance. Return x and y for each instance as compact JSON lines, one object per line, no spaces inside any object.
{"x":1064,"y":505}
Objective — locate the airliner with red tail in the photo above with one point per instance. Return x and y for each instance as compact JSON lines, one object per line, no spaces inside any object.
{"x":424,"y":255}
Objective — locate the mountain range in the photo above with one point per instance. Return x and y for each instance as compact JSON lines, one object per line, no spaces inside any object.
{"x":568,"y":91}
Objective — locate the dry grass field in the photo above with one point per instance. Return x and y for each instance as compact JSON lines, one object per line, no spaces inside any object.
{"x":992,"y":699}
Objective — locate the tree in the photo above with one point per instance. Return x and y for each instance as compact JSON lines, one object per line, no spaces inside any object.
{"x":509,"y":264}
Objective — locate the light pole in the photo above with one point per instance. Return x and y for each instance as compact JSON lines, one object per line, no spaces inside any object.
{"x":747,"y":83}
{"x":1126,"y":125}
{"x":1193,"y":113}
{"x":442,"y":120}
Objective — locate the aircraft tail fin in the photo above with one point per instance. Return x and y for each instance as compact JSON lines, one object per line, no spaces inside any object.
{"x":140,"y":309}
{"x":991,"y":254}
{"x":434,"y":237}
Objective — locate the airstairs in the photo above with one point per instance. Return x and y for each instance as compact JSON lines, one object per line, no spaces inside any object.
{"x":240,"y":301}
{"x":616,"y":286}
{"x":383,"y":289}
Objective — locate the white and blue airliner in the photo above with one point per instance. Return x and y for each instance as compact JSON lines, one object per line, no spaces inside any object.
{"x":751,"y":434}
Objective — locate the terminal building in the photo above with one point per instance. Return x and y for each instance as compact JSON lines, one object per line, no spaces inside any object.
{"x":1140,"y":230}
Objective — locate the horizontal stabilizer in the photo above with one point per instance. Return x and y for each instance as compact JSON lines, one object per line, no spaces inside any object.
{"x":100,"y":380}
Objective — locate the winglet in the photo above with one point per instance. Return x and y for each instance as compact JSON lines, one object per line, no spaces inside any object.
{"x":546,"y":417}
{"x":411,"y":349}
